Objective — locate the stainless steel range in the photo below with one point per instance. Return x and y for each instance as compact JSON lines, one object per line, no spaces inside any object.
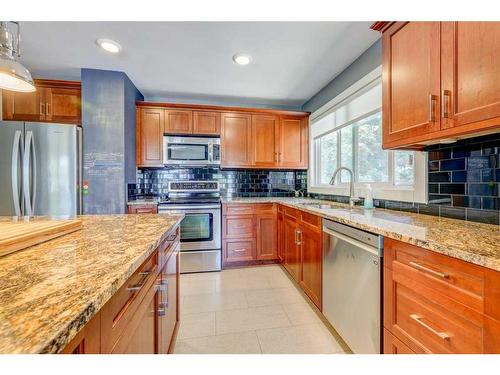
{"x":199,"y":201}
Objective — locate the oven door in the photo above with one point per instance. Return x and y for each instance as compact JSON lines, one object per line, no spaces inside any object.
{"x":200,"y":228}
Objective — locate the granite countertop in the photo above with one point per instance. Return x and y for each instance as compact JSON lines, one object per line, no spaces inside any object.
{"x":51,"y":290}
{"x":469,"y":241}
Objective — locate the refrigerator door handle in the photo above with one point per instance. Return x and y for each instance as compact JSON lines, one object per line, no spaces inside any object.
{"x":29,"y":197}
{"x":16,"y":146}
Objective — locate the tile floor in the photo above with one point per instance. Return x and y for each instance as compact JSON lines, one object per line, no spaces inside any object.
{"x":249,"y":311}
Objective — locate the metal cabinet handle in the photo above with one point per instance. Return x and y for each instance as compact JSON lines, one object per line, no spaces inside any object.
{"x":432,"y":107}
{"x":47,"y":109}
{"x":446,"y":103}
{"x":299,"y":237}
{"x":418,"y":319}
{"x":16,"y":146}
{"x":42,"y":108}
{"x":29,"y":185}
{"x":429,"y":270}
{"x":140,"y":284}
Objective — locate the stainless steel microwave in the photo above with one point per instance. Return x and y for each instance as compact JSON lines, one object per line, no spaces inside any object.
{"x":191,"y":151}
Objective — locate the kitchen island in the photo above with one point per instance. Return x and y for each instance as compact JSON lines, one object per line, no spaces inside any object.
{"x":50,"y":291}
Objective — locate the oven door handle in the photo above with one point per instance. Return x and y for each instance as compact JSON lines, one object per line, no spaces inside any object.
{"x":189,"y":207}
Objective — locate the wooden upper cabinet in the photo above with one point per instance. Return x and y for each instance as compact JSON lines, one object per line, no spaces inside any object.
{"x":470,"y":58}
{"x":150,"y":126}
{"x":206,"y":122}
{"x":411,"y":80}
{"x":293,"y":142}
{"x":265,"y":133}
{"x":53,"y":101}
{"x":22,"y":106}
{"x":63,"y":105}
{"x":236,"y":140}
{"x":178,"y":121}
{"x":440,"y":80}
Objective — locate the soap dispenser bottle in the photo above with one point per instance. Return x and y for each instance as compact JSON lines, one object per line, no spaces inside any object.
{"x":368,"y":197}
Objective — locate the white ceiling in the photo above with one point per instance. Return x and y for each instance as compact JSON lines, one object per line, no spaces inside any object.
{"x":192,"y":60}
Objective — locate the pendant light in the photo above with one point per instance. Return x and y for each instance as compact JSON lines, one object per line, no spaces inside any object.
{"x":13,"y":75}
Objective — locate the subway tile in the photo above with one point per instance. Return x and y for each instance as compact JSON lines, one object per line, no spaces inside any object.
{"x":452,"y":188}
{"x":460,"y":201}
{"x":439,"y":176}
{"x":439,"y":155}
{"x":483,"y":216}
{"x":452,"y":212}
{"x":452,"y":164}
{"x":483,"y":189}
{"x":439,"y":199}
{"x":459,"y":176}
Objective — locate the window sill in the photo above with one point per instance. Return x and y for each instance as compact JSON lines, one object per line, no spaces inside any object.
{"x":395,"y":193}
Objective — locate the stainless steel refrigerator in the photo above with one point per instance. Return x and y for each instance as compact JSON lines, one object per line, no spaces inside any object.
{"x":40,"y":169}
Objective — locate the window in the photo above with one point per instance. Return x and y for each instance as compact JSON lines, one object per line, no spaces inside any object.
{"x":348,"y":133}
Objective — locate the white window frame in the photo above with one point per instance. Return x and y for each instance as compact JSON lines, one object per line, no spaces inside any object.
{"x":381,"y":190}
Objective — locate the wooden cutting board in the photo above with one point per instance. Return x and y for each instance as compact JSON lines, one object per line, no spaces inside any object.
{"x":19,"y":235}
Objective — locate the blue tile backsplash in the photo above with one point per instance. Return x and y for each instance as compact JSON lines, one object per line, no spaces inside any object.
{"x":464,"y":182}
{"x":238,"y":182}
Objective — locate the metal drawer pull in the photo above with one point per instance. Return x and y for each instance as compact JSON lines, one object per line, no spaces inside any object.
{"x":418,"y":319}
{"x":140,"y":284}
{"x":240,"y":250}
{"x":428,"y":270}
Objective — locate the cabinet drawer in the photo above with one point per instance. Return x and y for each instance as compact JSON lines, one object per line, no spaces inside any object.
{"x":430,"y":328}
{"x":264,"y":208}
{"x":238,"y":226}
{"x":239,"y":250}
{"x":167,"y":247}
{"x":311,"y":220}
{"x":292,"y":212}
{"x":458,"y":281}
{"x":392,"y":345}
{"x":237,"y":209}
{"x":120,"y":309}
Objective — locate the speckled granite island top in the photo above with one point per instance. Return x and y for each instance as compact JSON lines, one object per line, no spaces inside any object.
{"x":51,"y":290}
{"x":473,"y":242}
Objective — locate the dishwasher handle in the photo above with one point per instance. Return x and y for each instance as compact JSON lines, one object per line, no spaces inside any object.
{"x":352,"y":241}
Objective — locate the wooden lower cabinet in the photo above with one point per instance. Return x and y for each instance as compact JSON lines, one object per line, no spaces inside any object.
{"x":249,"y":233}
{"x":392,"y":345}
{"x":142,"y":209}
{"x":311,"y":262}
{"x":291,"y":247}
{"x":437,"y":304}
{"x":143,"y":315}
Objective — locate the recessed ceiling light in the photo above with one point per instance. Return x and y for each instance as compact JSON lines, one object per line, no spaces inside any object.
{"x":242,"y":59}
{"x":109,"y":45}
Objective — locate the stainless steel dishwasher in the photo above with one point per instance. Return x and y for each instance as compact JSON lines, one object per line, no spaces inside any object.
{"x":352,"y":279}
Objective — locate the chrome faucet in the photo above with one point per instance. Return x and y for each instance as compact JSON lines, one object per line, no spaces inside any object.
{"x":352,"y":199}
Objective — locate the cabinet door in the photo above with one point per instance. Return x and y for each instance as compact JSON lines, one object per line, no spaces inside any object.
{"x":411,"y":81}
{"x":236,"y":140}
{"x":266,"y":237}
{"x":88,"y":340}
{"x":168,"y":303}
{"x":23,"y":106}
{"x":143,"y":339}
{"x":265,"y":132}
{"x":311,"y":262}
{"x":292,"y":250}
{"x":178,"y":121}
{"x":293,"y":140}
{"x":281,"y":238}
{"x":150,"y":137}
{"x":62,"y":105}
{"x":470,"y":73}
{"x":394,"y":346}
{"x":206,"y":123}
